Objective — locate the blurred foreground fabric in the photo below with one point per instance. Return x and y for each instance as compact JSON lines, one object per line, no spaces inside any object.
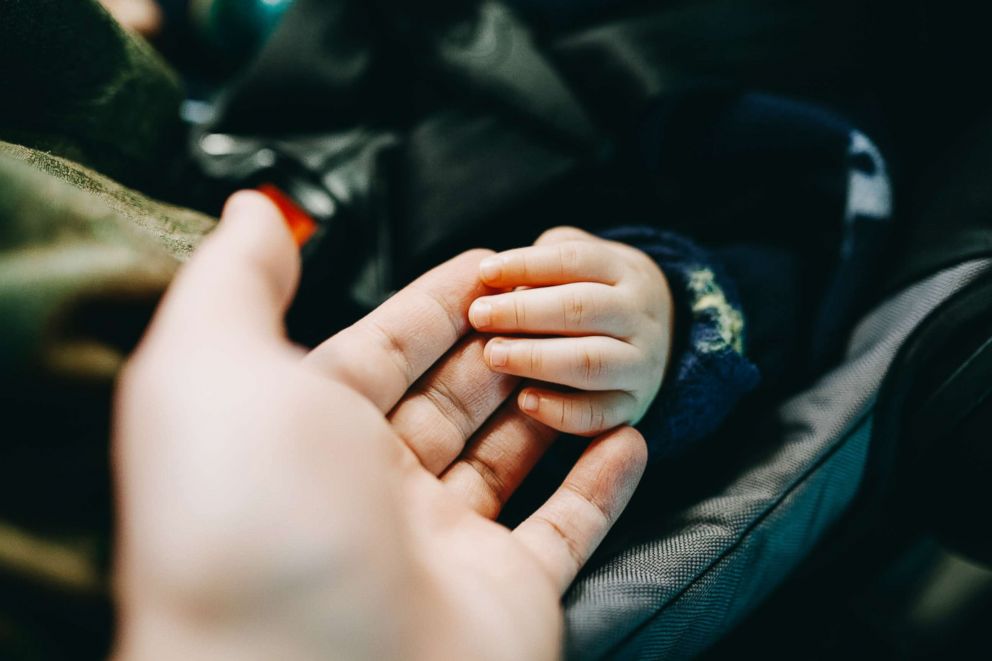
{"x":83,"y":261}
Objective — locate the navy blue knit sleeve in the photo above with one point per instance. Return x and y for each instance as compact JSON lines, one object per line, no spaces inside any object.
{"x":709,"y":371}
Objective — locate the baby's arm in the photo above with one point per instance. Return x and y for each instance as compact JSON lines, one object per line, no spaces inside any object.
{"x":602,"y":315}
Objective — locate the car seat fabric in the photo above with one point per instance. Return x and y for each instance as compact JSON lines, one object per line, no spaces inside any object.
{"x":674,"y":595}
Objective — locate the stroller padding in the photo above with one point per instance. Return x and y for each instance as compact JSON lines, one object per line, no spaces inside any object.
{"x":675,"y":594}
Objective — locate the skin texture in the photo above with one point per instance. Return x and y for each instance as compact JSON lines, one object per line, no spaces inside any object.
{"x":596,"y":319}
{"x":337,"y":504}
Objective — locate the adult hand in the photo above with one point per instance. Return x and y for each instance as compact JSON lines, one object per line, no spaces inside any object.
{"x":275,"y":503}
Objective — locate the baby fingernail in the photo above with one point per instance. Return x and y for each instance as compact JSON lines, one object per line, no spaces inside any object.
{"x":530,"y":402}
{"x":480,"y":314}
{"x":498,"y":354}
{"x":491,"y":268}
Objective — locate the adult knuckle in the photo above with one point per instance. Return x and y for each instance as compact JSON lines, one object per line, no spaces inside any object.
{"x":450,"y":406}
{"x":395,"y":347}
{"x":595,"y":504}
{"x":492,"y":479}
{"x":568,"y":539}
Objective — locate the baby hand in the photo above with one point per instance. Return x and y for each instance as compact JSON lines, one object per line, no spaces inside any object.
{"x":608,"y":309}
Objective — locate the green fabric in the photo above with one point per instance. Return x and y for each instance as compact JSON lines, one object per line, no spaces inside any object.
{"x":83,"y":261}
{"x":68,"y":235}
{"x":76,"y":84}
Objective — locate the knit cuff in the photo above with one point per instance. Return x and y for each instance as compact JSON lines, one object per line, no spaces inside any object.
{"x":708,"y":372}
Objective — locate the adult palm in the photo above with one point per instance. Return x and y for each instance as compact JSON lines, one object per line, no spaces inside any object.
{"x":337,"y":503}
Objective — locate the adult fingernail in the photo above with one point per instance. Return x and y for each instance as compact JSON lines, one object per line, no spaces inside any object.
{"x":491,"y":268}
{"x":530,"y":402}
{"x":499,"y":353}
{"x":480,"y":314}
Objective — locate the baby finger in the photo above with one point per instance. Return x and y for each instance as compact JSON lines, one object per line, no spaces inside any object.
{"x":588,"y":363}
{"x":580,"y":413}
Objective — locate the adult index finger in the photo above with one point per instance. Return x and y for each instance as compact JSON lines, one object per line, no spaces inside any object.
{"x":383,"y":354}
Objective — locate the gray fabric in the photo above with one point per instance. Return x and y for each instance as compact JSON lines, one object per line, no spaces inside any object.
{"x":674,"y":595}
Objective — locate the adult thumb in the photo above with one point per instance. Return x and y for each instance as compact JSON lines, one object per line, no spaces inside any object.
{"x":242,"y":278}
